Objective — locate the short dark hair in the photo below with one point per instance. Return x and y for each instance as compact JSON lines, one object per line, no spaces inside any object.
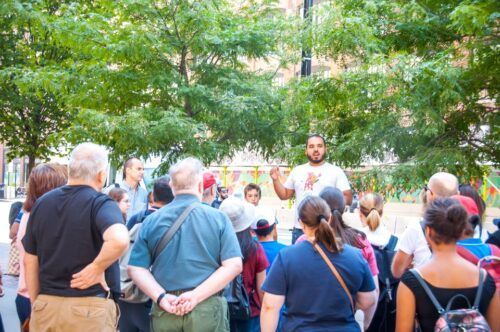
{"x":127,"y":164}
{"x":252,"y":186}
{"x":161,"y":190}
{"x":263,"y":228}
{"x":315,"y":135}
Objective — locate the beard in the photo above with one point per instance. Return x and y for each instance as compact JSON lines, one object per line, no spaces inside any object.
{"x":316,"y":160}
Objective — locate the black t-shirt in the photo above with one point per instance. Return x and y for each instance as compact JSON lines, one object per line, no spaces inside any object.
{"x":427,"y":314}
{"x":494,"y":238}
{"x":65,"y":230}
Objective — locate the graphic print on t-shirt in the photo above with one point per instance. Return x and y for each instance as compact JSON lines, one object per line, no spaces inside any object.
{"x":312,"y":178}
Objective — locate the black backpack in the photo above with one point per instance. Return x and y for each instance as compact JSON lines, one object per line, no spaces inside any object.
{"x":384,"y":318}
{"x":238,"y":300}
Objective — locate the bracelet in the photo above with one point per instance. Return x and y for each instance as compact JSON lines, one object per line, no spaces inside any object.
{"x":160,"y":297}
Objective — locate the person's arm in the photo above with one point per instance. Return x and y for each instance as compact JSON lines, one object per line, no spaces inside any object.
{"x":492,"y":313}
{"x":401,"y":262}
{"x":260,"y":277}
{"x":364,"y":300}
{"x":31,"y":271}
{"x":13,"y":231}
{"x":116,"y":241}
{"x":282,"y":192}
{"x":228,"y":270}
{"x":370,"y":312}
{"x":405,"y":315}
{"x":146,"y":282}
{"x":270,"y":312}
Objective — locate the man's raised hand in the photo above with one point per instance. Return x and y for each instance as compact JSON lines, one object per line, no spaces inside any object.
{"x":275,"y":173}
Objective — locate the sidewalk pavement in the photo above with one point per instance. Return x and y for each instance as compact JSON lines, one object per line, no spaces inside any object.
{"x":7,"y":303}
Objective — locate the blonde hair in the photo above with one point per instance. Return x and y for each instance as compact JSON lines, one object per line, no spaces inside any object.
{"x":372,"y":207}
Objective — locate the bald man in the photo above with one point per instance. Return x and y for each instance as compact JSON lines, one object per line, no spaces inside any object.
{"x":412,"y":248}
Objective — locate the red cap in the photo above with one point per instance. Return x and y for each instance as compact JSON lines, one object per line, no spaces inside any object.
{"x":468,"y":203}
{"x":208,"y":180}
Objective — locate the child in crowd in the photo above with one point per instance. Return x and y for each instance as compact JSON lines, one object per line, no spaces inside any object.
{"x":252,"y":193}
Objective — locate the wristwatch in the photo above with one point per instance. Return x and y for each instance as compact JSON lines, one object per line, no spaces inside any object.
{"x":160,"y":297}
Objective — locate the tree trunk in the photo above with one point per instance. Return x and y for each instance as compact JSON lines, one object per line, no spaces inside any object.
{"x":31,"y":164}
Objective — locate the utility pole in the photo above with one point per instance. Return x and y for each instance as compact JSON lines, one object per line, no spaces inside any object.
{"x":305,"y":69}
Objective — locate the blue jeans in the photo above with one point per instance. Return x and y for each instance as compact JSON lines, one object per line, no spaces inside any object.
{"x":251,"y":325}
{"x":134,"y":317}
{"x":296,"y":233}
{"x":23,"y":306}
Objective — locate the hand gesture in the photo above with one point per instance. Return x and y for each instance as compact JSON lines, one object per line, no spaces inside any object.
{"x":275,"y":173}
{"x":186,"y":303}
{"x":169,"y":303}
{"x":89,"y":276}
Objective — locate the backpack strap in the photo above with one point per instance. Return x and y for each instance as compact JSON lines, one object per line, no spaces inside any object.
{"x":466,"y":254}
{"x":495,"y":251}
{"x":391,"y":245}
{"x":482,"y":275}
{"x":427,"y":290}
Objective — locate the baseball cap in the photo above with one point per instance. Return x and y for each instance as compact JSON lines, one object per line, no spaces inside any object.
{"x":240,"y":213}
{"x":264,"y":218}
{"x":468,"y":204}
{"x":208,"y":180}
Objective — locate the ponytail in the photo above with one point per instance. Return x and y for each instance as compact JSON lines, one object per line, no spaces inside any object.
{"x":371,"y":206}
{"x":326,"y":235}
{"x":373,"y":219}
{"x":315,"y":213}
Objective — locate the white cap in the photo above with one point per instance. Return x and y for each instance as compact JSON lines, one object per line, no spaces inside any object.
{"x":264,"y":213}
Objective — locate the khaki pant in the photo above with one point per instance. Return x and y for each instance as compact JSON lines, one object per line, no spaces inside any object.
{"x":210,"y":315}
{"x":56,"y":313}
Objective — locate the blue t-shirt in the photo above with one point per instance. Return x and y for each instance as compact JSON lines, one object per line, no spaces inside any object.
{"x":271,"y":248}
{"x":475,"y":246}
{"x":205,"y":239}
{"x":314,"y":298}
{"x":143,"y":214}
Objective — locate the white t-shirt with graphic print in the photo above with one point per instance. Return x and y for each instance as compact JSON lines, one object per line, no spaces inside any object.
{"x":310,"y":180}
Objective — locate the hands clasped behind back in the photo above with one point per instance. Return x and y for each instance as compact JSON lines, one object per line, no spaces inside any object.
{"x":179,"y":305}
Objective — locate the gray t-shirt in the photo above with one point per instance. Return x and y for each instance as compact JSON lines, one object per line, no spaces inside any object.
{"x":205,"y":239}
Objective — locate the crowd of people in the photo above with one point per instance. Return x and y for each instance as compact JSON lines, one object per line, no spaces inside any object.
{"x":189,"y":257}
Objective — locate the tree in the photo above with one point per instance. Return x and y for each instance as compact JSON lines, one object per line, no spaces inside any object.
{"x":173,"y":78}
{"x":32,"y":79}
{"x":417,"y":89}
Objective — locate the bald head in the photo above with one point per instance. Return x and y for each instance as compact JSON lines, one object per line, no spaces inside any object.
{"x":187,"y":176}
{"x":87,"y":160}
{"x":443,"y":185}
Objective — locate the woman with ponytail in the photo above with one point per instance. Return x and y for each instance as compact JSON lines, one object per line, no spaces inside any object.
{"x":447,"y":274}
{"x":371,"y":208}
{"x":302,"y":277}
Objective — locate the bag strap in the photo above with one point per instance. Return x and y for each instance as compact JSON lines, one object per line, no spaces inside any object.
{"x":495,"y":251}
{"x":427,"y":291}
{"x":466,"y":254}
{"x":391,"y":245}
{"x":479,"y":289}
{"x":336,"y":274}
{"x":172,"y":230}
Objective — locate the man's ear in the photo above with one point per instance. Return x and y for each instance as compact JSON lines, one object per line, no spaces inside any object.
{"x":101,"y":178}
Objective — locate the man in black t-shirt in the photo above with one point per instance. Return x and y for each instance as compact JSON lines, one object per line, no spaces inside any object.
{"x":73,"y":239}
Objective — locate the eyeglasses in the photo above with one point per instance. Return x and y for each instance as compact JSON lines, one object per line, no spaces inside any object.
{"x":426,"y":188}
